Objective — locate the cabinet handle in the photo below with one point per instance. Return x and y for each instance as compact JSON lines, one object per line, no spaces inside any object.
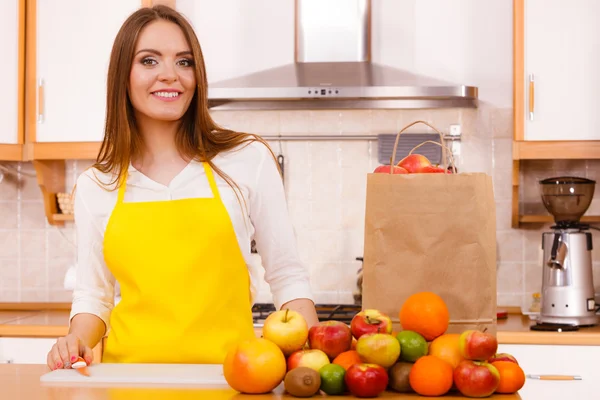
{"x":41,"y":100}
{"x":531,"y":96}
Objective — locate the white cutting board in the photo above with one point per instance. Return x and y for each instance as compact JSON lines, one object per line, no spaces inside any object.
{"x":123,"y":373}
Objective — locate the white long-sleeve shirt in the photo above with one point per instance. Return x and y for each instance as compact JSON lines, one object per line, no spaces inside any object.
{"x":267,"y":222}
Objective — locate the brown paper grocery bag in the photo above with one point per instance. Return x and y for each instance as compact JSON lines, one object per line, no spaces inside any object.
{"x":432,"y":232}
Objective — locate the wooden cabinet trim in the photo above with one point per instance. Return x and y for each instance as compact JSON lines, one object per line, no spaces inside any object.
{"x":30,"y":90}
{"x":21,"y":74}
{"x":519,"y":69}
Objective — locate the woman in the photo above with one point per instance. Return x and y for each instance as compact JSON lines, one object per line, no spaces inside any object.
{"x":169,"y":211}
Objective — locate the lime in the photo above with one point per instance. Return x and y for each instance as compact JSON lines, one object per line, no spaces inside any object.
{"x":412,"y":346}
{"x":332,"y":379}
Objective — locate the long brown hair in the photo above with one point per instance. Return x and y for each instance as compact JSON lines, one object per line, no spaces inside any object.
{"x":198,"y":137}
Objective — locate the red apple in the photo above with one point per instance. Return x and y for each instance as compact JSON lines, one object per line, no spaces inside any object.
{"x":287,"y":329}
{"x":378,"y":348}
{"x":414,"y":163}
{"x":477,"y":345}
{"x":476,"y":379}
{"x":331,"y":337}
{"x":370,"y":321}
{"x":366,"y":380}
{"x":311,"y":358}
{"x":503,"y":357}
{"x":385,"y":169}
{"x":431,"y":169}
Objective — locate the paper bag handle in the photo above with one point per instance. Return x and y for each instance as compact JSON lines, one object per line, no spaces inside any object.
{"x":444,"y":147}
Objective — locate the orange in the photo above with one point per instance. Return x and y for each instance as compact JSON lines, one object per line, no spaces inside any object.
{"x":254,"y":366}
{"x":425,"y":313}
{"x":430,"y":376}
{"x":347,"y":358}
{"x":512,"y":377}
{"x":446,"y":348}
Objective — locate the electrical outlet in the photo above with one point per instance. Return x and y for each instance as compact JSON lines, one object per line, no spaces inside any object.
{"x":455,"y":130}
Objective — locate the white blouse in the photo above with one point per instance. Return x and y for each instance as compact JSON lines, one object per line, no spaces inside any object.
{"x":267,"y":222}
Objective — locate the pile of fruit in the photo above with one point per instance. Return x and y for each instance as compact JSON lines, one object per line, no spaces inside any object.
{"x":368,"y":358}
{"x":412,"y":164}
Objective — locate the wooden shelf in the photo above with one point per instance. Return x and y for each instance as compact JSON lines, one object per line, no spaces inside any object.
{"x":51,"y":179}
{"x":542,"y":219}
{"x":65,"y":151}
{"x":566,"y":150}
{"x":63,"y":217}
{"x":11,"y":152}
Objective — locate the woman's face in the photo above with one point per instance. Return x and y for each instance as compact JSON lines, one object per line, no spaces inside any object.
{"x":162,"y":80}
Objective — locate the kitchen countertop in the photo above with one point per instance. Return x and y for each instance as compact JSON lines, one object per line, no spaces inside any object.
{"x":22,"y":381}
{"x":513,"y":330}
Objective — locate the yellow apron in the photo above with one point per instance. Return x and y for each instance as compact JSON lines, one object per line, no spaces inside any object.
{"x":185,"y":287}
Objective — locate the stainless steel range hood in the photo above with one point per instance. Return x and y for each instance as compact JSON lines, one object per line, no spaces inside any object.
{"x":333,"y":70}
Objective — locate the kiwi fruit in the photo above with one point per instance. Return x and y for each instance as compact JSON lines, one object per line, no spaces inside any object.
{"x":398,"y":375}
{"x":302,"y":382}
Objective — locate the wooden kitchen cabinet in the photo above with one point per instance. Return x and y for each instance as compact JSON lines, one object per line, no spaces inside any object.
{"x":12,"y":36}
{"x":71,"y":66}
{"x":556,"y":89}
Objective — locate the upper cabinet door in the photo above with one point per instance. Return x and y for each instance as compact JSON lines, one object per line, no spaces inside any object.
{"x":562,"y":70}
{"x":74,"y":41}
{"x":10,"y":25}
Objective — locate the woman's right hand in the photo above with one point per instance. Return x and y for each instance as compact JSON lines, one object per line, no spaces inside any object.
{"x":66,"y":350}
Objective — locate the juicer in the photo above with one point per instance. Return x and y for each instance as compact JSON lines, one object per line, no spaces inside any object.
{"x":568,"y":296}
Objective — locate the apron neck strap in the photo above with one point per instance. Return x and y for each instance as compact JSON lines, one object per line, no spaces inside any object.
{"x":211,"y":180}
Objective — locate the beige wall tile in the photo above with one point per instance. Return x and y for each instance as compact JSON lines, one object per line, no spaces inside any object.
{"x":10,"y":295}
{"x":356,"y":121}
{"x":57,"y":269}
{"x":510,"y":277}
{"x":326,"y":276}
{"x":9,"y":244}
{"x":384,"y":121}
{"x":33,"y":244}
{"x":263,"y":122}
{"x":502,"y":122}
{"x":510,"y":246}
{"x":502,"y":179}
{"x":9,"y":214}
{"x":502,"y":153}
{"x":503,"y":215}
{"x":10,"y":276}
{"x":326,"y":247}
{"x":533,"y":277}
{"x":328,"y":122}
{"x":32,"y":215}
{"x":34,"y":295}
{"x":34,"y":274}
{"x":510,"y":299}
{"x":61,"y":243}
{"x":532,"y":245}
{"x":60,"y":296}
{"x":296,"y":122}
{"x":29,"y":188}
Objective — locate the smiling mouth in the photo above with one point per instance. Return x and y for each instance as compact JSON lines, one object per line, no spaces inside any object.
{"x":166,"y":95}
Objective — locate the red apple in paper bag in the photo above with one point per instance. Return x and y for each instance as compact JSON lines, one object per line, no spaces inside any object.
{"x":385,"y":169}
{"x":414,"y":163}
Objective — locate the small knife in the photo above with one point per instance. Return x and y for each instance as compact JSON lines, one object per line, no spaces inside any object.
{"x":81,"y":366}
{"x":556,"y":377}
